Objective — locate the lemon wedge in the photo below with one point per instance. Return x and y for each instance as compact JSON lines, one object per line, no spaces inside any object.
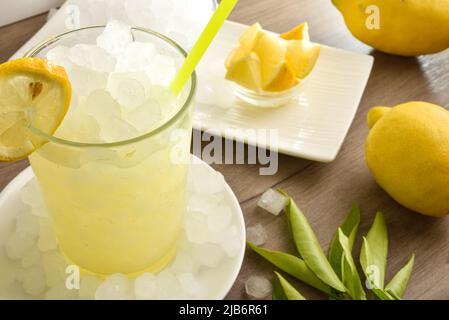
{"x":302,"y":56}
{"x":247,"y":41}
{"x":250,"y":36}
{"x":283,"y":78}
{"x":271,"y":51}
{"x":300,"y":32}
{"x":33,"y":92}
{"x":264,"y":61}
{"x":246,"y":72}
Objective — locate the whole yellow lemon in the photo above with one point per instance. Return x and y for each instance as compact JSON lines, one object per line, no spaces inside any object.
{"x":407,"y":152}
{"x":401,"y":27}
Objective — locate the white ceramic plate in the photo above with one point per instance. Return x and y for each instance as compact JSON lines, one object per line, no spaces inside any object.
{"x":314,"y":125}
{"x":220,"y":279}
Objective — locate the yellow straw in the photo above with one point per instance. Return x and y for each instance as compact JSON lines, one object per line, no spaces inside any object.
{"x":203,"y":42}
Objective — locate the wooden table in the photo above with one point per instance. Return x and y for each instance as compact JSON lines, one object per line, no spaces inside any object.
{"x":325,"y":191}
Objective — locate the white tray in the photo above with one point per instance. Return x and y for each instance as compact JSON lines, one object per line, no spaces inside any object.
{"x":314,"y":125}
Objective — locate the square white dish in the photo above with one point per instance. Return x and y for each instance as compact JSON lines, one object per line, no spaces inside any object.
{"x":313,"y":126}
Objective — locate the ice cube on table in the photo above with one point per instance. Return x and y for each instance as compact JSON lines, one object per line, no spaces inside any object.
{"x":54,"y":266}
{"x":16,"y":246}
{"x":258,"y":287}
{"x":115,"y":287}
{"x":92,"y":57}
{"x":136,"y":56}
{"x":272,"y":201}
{"x":33,"y":280}
{"x":256,"y":234}
{"x":88,"y":286}
{"x":47,"y":238}
{"x":189,"y":283}
{"x":145,"y":286}
{"x":208,"y":254}
{"x":115,"y":38}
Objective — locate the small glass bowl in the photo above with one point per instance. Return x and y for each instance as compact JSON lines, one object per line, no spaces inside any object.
{"x":266,"y":99}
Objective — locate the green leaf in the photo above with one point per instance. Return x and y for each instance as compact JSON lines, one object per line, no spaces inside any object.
{"x":292,"y":265}
{"x":278,"y":293}
{"x":283,"y":290}
{"x":392,"y":295}
{"x":373,"y":255}
{"x":398,"y":284}
{"x":309,"y":247}
{"x":349,"y":272}
{"x":382,"y":295}
{"x":289,"y":226}
{"x":349,"y":227}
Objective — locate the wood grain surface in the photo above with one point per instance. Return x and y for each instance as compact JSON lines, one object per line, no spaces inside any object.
{"x":325,"y":191}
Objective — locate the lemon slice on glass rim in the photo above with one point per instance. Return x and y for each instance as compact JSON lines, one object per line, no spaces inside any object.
{"x":33,"y":93}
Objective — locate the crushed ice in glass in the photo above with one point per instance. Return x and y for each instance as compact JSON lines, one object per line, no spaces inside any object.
{"x":182,"y":20}
{"x":120,"y":86}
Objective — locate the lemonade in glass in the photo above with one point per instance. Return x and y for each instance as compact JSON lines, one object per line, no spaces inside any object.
{"x":113,"y":175}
